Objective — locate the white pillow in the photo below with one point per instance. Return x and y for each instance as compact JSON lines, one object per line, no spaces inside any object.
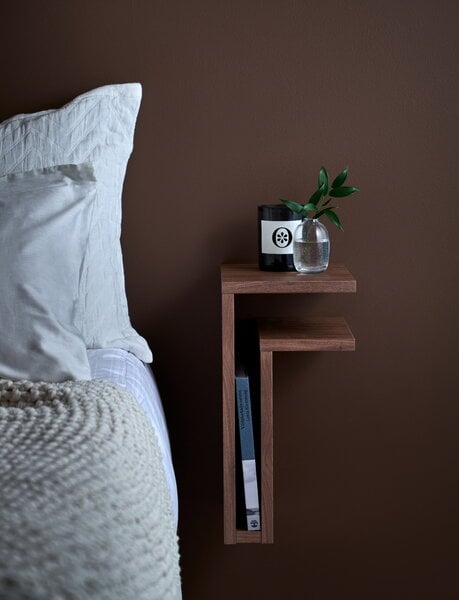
{"x":45,"y":219}
{"x":97,"y":126}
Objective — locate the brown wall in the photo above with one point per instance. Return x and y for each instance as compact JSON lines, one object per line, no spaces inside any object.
{"x":243,"y":101}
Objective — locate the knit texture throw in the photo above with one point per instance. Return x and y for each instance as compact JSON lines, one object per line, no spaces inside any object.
{"x":85,"y":513}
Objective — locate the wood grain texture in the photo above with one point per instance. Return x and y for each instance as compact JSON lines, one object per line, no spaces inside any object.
{"x":308,"y":334}
{"x":248,"y":537}
{"x":229,"y":446}
{"x":248,"y":279}
{"x":275,"y":335}
{"x":267,"y":488}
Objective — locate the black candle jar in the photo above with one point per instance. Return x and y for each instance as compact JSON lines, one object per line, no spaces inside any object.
{"x":276,"y":225}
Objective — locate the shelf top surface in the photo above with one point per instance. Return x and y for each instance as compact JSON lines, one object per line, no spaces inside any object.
{"x":249,"y":279}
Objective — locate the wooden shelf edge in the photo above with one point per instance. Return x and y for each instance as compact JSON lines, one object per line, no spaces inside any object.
{"x":249,"y":279}
{"x":248,"y":537}
{"x":305,"y":335}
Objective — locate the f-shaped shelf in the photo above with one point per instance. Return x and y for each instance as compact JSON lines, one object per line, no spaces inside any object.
{"x":275,"y":335}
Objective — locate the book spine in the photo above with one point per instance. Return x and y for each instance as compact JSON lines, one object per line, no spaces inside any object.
{"x":249,"y":470}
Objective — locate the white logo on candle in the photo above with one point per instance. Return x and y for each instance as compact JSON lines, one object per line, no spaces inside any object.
{"x":277,"y":236}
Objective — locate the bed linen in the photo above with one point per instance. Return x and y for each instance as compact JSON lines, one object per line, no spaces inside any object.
{"x":88,"y":498}
{"x":97,"y":127}
{"x":45,"y":219}
{"x":126,"y":370}
{"x":85,"y":512}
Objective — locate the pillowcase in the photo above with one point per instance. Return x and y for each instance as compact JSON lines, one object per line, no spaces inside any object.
{"x":96,"y":127}
{"x":45,"y":219}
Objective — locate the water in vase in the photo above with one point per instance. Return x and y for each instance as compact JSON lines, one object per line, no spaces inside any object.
{"x":311,"y":257}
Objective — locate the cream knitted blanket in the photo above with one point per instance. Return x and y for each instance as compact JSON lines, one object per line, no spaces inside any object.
{"x":85,"y":513}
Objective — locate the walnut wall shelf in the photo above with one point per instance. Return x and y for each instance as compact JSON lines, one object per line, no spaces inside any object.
{"x":275,"y":335}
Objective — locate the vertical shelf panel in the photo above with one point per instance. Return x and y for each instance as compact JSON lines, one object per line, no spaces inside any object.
{"x":229,"y":445}
{"x":266,"y":405}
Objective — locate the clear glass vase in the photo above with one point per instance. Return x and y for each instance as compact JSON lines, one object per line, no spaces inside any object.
{"x":311,"y":247}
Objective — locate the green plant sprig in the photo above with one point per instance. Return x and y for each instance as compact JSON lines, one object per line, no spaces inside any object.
{"x":318,"y":203}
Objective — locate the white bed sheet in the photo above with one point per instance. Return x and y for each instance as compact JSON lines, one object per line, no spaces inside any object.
{"x":126,"y":370}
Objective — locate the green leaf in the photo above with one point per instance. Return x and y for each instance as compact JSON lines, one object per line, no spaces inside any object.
{"x":327,"y":202}
{"x":334,"y":218}
{"x":322,"y":212}
{"x":343,"y":191}
{"x":317,"y":195}
{"x":323,"y":180}
{"x":309,"y":206}
{"x":340,"y":178}
{"x":293,"y":206}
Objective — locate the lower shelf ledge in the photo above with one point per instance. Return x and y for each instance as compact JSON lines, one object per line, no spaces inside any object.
{"x":309,"y":334}
{"x":248,"y":537}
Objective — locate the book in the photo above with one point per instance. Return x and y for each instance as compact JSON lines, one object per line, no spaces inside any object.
{"x":247,"y":445}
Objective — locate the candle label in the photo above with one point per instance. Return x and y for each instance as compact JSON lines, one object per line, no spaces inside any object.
{"x":277,"y":236}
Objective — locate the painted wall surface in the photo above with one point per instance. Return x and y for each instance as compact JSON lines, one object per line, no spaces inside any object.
{"x":243,"y":101}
